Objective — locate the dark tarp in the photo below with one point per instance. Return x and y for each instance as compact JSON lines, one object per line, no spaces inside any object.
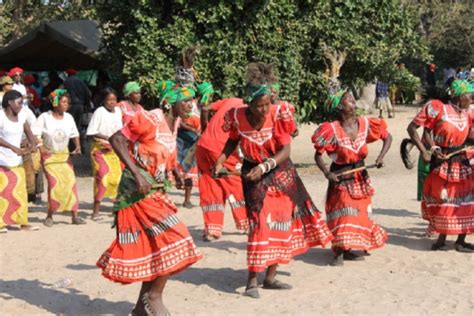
{"x":55,"y":46}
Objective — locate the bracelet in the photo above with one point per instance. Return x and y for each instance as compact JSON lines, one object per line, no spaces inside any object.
{"x":272,"y":163}
{"x":263,"y":168}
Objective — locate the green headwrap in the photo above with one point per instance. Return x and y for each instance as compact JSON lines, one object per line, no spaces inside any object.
{"x":165,"y":91}
{"x":334,"y":100}
{"x":56,"y":95}
{"x":131,"y":87}
{"x":184,"y":93}
{"x":276,"y":87}
{"x":206,"y":90}
{"x":254,"y":91}
{"x":460,"y":87}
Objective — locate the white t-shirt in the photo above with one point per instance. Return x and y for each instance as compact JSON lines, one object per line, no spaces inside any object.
{"x":20,"y":88}
{"x":12,"y":133}
{"x":30,"y":116}
{"x":55,"y":133}
{"x":105,"y":122}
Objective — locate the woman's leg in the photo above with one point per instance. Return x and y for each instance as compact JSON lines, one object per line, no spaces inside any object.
{"x":154,"y":296}
{"x":251,"y":289}
{"x":440,"y":243}
{"x":95,"y":210}
{"x":338,"y":259}
{"x":188,"y":187}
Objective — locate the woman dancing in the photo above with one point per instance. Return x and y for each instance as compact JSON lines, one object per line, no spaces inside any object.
{"x":151,"y":243}
{"x":447,"y":201}
{"x":283,"y":220}
{"x":348,"y":201}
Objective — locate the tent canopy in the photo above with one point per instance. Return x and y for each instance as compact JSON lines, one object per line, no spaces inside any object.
{"x":55,"y":46}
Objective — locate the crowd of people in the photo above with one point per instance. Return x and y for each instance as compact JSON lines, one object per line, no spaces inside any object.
{"x":236,"y":151}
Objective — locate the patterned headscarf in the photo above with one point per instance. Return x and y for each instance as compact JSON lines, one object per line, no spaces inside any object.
{"x":460,"y":87}
{"x":254,"y":91}
{"x":184,"y":75}
{"x":184,"y":93}
{"x":334,"y":100}
{"x":56,"y":95}
{"x":165,"y":93}
{"x":206,"y":90}
{"x":131,"y":87}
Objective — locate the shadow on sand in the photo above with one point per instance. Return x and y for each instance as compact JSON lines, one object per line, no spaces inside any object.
{"x":60,"y":301}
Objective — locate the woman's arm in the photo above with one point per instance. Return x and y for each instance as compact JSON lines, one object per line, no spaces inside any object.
{"x":77,"y":145}
{"x":188,"y":127}
{"x":99,"y":136}
{"x":257,"y":172}
{"x":412,"y":131}
{"x":387,"y":142}
{"x":331,"y":176}
{"x":120,"y":145}
{"x":16,"y":150}
{"x":229,"y":148}
{"x":29,"y":136}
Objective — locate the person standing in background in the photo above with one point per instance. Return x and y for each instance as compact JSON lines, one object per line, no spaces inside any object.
{"x":80,"y":96}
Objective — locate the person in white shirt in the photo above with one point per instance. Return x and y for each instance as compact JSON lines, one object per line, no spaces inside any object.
{"x":56,"y":128}
{"x":106,"y":167}
{"x":13,"y":196}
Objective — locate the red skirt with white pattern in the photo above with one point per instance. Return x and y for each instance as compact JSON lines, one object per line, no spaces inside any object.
{"x":348,"y":206}
{"x":448,"y":197}
{"x":151,"y":242}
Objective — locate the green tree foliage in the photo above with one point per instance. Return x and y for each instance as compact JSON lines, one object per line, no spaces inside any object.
{"x":143,"y":40}
{"x":448,"y":27}
{"x":19,"y":16}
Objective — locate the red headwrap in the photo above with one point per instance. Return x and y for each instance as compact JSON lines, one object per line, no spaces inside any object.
{"x":71,"y":72}
{"x":432,"y":67}
{"x":28,"y":80}
{"x":15,"y":70}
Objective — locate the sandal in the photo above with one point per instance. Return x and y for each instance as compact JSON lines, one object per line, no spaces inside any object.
{"x":209,"y":238}
{"x":29,"y":228}
{"x":276,"y":285}
{"x":464,"y":247}
{"x":350,"y":256}
{"x":78,"y":221}
{"x":252,"y":292}
{"x":436,"y":246}
{"x":3,"y":230}
{"x":48,"y":222}
{"x":97,"y":218}
{"x":337,"y":261}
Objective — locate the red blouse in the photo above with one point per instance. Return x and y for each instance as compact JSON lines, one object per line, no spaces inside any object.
{"x":259,"y":145}
{"x":144,"y":148}
{"x":330,"y":137}
{"x":450,"y":128}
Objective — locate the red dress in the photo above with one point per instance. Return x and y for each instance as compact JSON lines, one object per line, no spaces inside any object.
{"x":448,"y":200}
{"x":348,"y":202}
{"x":213,"y":192}
{"x":127,"y":112}
{"x":151,"y":241}
{"x":284,"y":222}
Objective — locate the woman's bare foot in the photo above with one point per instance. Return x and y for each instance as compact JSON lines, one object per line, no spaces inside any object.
{"x":154,"y":306}
{"x":29,"y":228}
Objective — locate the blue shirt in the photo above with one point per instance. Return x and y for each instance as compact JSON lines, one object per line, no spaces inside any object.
{"x":381,"y":89}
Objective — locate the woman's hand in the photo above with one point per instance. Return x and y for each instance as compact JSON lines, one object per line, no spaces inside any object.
{"x":255,"y":174}
{"x":426,"y":155}
{"x":179,"y":182}
{"x":21,"y":151}
{"x":142,"y":185}
{"x":379,"y":162}
{"x":332,"y":177}
{"x":217,"y":168}
{"x":438,"y":153}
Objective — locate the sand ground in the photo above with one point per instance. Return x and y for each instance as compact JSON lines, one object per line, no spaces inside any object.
{"x":404,"y":277}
